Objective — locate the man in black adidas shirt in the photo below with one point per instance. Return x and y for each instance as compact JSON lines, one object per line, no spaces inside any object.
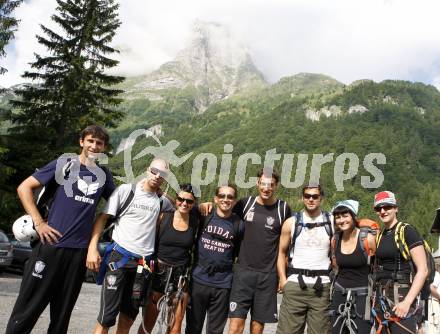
{"x":217,"y":246}
{"x":255,"y":280}
{"x":397,"y":286}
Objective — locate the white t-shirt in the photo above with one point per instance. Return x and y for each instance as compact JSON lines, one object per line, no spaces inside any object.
{"x":311,"y":249}
{"x":135,"y":230}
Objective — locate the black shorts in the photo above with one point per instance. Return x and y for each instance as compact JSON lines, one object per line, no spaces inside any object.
{"x":160,"y":277}
{"x":116,"y":292}
{"x":256,"y":291}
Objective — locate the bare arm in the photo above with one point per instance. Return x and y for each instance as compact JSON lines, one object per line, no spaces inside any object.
{"x":26,"y":194}
{"x":93,"y":258}
{"x":282,"y":251}
{"x":205,"y":208}
{"x":371,"y":243}
{"x":419,"y":258}
{"x":333,"y":253}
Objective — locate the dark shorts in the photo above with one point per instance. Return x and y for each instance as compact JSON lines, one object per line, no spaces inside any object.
{"x":116,"y":292}
{"x":254,"y":291}
{"x":165,"y":273}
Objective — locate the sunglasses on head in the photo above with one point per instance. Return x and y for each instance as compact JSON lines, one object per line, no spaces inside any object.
{"x":385,"y":207}
{"x":156,"y":171}
{"x":308,"y":196}
{"x":225,"y":196}
{"x":187,"y":200}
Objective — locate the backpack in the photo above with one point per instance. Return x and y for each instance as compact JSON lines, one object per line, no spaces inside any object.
{"x":366,"y":226}
{"x":399,"y":238}
{"x":299,"y":224}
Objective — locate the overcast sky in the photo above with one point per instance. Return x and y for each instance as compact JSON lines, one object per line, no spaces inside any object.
{"x":345,"y":39}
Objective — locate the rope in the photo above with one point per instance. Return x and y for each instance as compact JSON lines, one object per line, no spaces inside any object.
{"x":346,"y":316}
{"x":387,"y":318}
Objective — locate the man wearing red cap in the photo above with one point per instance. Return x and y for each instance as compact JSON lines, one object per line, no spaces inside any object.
{"x":397,"y":285}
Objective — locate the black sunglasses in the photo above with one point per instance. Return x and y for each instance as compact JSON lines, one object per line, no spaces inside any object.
{"x":314,"y":196}
{"x":385,"y":207}
{"x":187,"y":200}
{"x":225,"y":196}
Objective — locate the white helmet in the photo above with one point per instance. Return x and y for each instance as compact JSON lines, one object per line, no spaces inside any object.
{"x":23,"y":229}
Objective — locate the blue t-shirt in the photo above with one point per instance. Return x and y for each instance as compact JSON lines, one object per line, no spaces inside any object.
{"x":216,"y":247}
{"x":73,"y":209}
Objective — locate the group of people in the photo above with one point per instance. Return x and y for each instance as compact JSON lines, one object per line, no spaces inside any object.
{"x":217,"y":260}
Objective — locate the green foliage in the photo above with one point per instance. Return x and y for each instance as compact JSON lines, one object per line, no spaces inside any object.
{"x":8,"y":25}
{"x":74,"y":89}
{"x":402,"y":122}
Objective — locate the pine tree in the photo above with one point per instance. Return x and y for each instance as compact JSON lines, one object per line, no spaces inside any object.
{"x":71,"y":88}
{"x":8,"y":25}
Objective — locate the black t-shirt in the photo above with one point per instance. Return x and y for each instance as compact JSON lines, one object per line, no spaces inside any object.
{"x":353,"y":269}
{"x":388,"y":255}
{"x":259,"y":248}
{"x":175,"y":246}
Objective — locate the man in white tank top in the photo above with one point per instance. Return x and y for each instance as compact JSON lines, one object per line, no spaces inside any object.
{"x":305,"y":247}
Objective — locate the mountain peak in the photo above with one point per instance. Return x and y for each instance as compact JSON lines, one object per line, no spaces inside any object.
{"x":214,"y":43}
{"x":214,"y":62}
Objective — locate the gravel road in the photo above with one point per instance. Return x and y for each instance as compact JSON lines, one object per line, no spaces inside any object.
{"x":83,"y":316}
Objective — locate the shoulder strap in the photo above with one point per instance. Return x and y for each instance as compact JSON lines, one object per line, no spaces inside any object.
{"x":399,"y":238}
{"x":120,"y":211}
{"x":379,"y":237}
{"x":328,"y":224}
{"x":365,"y":246}
{"x":160,"y":228}
{"x":248,"y":207}
{"x":238,"y":235}
{"x":205,"y":223}
{"x":298,"y":225}
{"x":334,"y":242}
{"x":297,"y":228}
{"x":123,"y":208}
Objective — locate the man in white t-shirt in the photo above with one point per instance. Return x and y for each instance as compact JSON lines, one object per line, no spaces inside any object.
{"x":133,"y":241}
{"x":304,"y":246}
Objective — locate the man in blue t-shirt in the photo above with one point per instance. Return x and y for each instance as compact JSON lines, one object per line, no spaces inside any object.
{"x":217,"y":248}
{"x":56,"y":268}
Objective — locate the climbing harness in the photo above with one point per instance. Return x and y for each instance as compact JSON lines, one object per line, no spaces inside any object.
{"x":346,"y":314}
{"x":168,"y":303}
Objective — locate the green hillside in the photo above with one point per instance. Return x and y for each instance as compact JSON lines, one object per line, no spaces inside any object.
{"x":402,"y":122}
{"x":304,"y":115}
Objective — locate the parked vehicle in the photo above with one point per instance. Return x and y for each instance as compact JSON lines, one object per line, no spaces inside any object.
{"x":21,"y":252}
{"x":6,"y":251}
